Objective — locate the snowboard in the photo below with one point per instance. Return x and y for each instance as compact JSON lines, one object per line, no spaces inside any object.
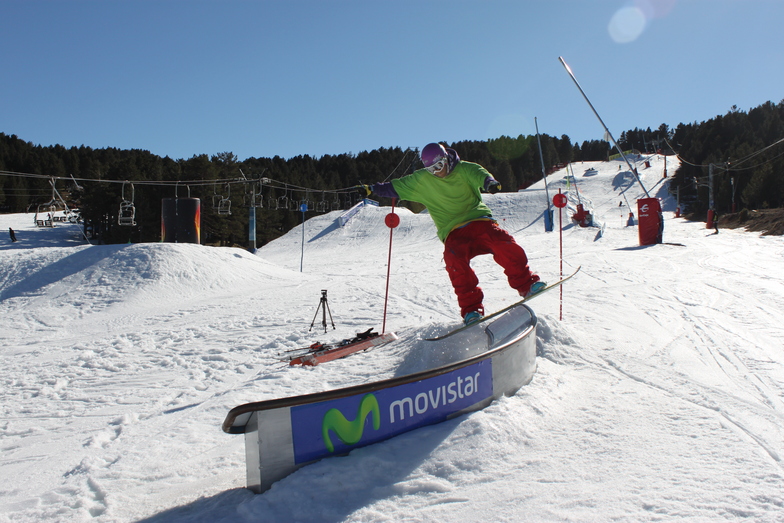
{"x":512,"y":306}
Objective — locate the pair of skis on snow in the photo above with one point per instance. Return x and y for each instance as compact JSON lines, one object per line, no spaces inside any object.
{"x":320,"y":353}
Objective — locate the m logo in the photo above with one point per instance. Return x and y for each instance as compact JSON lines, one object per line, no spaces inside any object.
{"x":350,"y":432}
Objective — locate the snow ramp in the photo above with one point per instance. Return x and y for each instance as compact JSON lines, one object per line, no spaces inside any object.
{"x":365,"y":238}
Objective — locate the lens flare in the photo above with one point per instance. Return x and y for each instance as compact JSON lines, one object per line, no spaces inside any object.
{"x":627,"y":24}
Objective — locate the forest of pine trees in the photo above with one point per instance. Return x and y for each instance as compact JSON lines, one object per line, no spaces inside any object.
{"x":748,"y":173}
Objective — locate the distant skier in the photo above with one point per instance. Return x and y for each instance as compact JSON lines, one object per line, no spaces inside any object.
{"x":450,"y":189}
{"x":716,"y":223}
{"x":12,"y":234}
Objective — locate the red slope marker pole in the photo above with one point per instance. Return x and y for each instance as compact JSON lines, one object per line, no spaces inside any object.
{"x":392,"y":220}
{"x":560,"y":200}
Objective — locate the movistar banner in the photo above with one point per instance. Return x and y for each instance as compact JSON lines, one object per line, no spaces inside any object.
{"x":337,"y":426}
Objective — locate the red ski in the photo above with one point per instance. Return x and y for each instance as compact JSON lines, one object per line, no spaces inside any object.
{"x":320,"y":353}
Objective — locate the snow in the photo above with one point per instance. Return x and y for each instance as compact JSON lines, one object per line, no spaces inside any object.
{"x":659,"y":396}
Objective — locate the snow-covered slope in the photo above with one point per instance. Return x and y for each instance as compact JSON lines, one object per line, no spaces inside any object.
{"x":659,"y":396}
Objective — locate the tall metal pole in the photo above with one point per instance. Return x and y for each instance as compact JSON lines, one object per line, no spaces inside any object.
{"x":548,"y":222}
{"x":252,"y":219}
{"x":252,"y":211}
{"x":732,"y":181}
{"x":303,"y":207}
{"x":634,"y":172}
{"x":541,"y":158}
{"x":711,"y":203}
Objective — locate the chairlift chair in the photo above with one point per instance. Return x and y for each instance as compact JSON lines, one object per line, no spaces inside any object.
{"x":47,"y":210}
{"x":224,"y":206}
{"x":127,"y":214}
{"x":216,"y":198}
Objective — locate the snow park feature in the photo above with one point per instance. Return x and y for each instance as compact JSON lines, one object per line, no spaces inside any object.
{"x":658,"y":397}
{"x":282,"y":435}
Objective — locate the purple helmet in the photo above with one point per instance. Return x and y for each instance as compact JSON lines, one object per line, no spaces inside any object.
{"x":433,"y":152}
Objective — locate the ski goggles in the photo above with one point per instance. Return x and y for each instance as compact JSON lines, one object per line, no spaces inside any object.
{"x":437,"y":166}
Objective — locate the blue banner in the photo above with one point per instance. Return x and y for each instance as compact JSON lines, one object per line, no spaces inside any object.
{"x":337,"y":426}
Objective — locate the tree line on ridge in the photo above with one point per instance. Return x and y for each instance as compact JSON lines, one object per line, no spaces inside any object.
{"x":747,"y":169}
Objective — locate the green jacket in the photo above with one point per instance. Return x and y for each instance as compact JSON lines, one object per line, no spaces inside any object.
{"x":451,"y":201}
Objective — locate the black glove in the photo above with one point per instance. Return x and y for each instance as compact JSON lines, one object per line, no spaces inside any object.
{"x":493,"y":187}
{"x":363,"y":190}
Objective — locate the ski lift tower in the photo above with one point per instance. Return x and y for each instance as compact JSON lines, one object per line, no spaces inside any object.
{"x":548,"y":216}
{"x":256,"y":200}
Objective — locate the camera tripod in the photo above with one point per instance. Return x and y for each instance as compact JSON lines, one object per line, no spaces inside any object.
{"x":324,"y":306}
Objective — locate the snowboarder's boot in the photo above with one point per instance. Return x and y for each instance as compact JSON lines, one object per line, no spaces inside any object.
{"x":472,"y":317}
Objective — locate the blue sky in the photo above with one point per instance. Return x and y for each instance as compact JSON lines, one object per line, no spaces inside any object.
{"x":292,"y":77}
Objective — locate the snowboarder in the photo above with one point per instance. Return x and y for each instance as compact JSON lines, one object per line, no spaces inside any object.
{"x":450,"y":189}
{"x":12,"y":234}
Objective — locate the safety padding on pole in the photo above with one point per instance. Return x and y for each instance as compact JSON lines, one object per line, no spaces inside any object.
{"x":709,"y":223}
{"x":651,"y":225}
{"x":181,"y":220}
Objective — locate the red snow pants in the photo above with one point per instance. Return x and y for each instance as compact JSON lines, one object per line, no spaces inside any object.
{"x":483,"y":237}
